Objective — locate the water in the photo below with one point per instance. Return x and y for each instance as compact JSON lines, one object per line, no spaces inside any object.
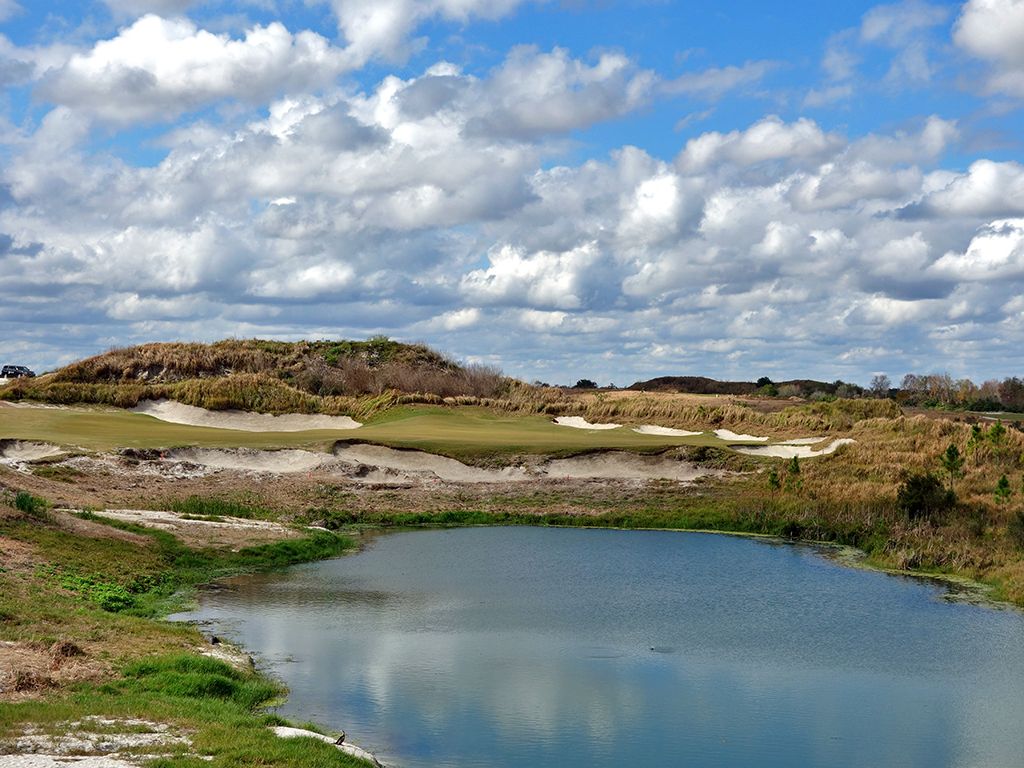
{"x":508,"y":647}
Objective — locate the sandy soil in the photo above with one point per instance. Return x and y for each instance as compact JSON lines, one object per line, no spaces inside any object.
{"x":417,"y":463}
{"x":92,"y":742}
{"x":653,"y":429}
{"x":249,"y":460}
{"x":225,"y":532}
{"x":624,"y":466}
{"x":27,"y":670}
{"x":179,"y":413}
{"x":20,"y":451}
{"x":725,"y":434}
{"x":578,"y":422}
{"x":790,"y":450}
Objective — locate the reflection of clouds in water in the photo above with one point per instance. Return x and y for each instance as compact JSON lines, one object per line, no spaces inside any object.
{"x":453,"y":648}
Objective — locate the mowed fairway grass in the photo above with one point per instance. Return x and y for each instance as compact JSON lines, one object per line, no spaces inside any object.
{"x":467,"y":433}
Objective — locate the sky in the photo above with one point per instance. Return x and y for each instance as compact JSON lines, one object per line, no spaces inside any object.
{"x":565,"y":189}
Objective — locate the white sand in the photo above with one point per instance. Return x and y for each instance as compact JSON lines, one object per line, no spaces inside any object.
{"x":623,"y":466}
{"x":578,"y":422}
{"x":802,"y":441}
{"x":651,"y":429}
{"x":285,"y":732}
{"x":244,"y":459}
{"x":789,"y":451}
{"x":179,"y":413}
{"x":12,"y":451}
{"x":171,"y":521}
{"x":725,"y":434}
{"x":421,"y":463}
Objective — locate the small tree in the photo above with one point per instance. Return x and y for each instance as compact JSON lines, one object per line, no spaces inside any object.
{"x":585,"y":384}
{"x":921,"y":496}
{"x":953,"y":463}
{"x":773,"y":481}
{"x":1003,"y":490}
{"x":793,"y":480}
{"x":974,"y":441}
{"x":880,"y":385}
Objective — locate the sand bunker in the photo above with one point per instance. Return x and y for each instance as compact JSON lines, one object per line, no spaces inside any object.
{"x":802,"y":441}
{"x":247,"y":460}
{"x":578,"y":422}
{"x":420,"y":463}
{"x":725,"y":434}
{"x":789,"y":451}
{"x":651,"y":429}
{"x":179,"y":413}
{"x":620,"y":465}
{"x":17,"y":451}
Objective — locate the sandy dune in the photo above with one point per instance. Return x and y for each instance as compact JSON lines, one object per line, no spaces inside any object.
{"x":179,"y":413}
{"x":725,"y":434}
{"x":788,"y":451}
{"x":578,"y":422}
{"x":652,"y":429}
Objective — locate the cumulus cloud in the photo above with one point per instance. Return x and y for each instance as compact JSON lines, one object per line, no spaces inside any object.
{"x":987,"y":189}
{"x":157,"y":68}
{"x":993,"y":30}
{"x":714,"y":82}
{"x":381,"y":28}
{"x":996,"y":252}
{"x":768,"y":139}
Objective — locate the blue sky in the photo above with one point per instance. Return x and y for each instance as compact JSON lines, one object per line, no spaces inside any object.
{"x":615,"y":189}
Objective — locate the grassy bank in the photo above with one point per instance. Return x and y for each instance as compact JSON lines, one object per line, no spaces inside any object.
{"x":80,"y":607}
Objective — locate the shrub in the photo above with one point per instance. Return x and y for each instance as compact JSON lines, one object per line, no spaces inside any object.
{"x":29,"y":504}
{"x":923,"y":496}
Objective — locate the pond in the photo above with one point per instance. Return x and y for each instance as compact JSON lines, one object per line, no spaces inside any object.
{"x":510,"y":647}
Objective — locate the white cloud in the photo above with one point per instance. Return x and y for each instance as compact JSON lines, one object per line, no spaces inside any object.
{"x":8,"y":9}
{"x":715,"y":82}
{"x":993,"y":30}
{"x":996,"y":252}
{"x":382,"y":27}
{"x":768,"y":139}
{"x":987,"y":189}
{"x":157,"y":68}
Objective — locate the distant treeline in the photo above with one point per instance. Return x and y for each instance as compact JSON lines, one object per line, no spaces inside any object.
{"x":934,"y":390}
{"x":701,"y":385}
{"x":940,"y":390}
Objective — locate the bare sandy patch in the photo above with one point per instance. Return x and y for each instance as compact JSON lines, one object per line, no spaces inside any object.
{"x":619,"y":465}
{"x":248,"y":460}
{"x":19,"y":451}
{"x":725,"y":434}
{"x":578,"y":422}
{"x":802,"y":441}
{"x":93,"y":742}
{"x":413,"y":463}
{"x":179,"y":413}
{"x":653,"y":429}
{"x":789,"y":451}
{"x":224,"y":531}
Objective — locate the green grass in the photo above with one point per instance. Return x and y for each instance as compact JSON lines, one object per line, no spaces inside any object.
{"x":215,"y":705}
{"x":466,"y":433}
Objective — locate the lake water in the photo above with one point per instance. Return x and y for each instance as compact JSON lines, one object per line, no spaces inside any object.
{"x":509,"y":647}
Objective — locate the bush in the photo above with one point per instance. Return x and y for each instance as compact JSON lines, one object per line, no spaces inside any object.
{"x":923,"y":496}
{"x":29,"y":504}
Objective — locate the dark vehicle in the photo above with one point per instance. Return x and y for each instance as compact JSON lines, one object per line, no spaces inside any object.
{"x":15,"y":372}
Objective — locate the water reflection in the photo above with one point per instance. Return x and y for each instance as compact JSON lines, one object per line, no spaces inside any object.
{"x":516,"y":647}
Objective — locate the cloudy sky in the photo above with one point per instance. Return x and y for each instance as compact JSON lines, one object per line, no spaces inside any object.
{"x":614,"y":189}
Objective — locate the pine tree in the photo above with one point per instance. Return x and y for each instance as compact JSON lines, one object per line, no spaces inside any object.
{"x":953,"y":463}
{"x":1003,"y":490}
